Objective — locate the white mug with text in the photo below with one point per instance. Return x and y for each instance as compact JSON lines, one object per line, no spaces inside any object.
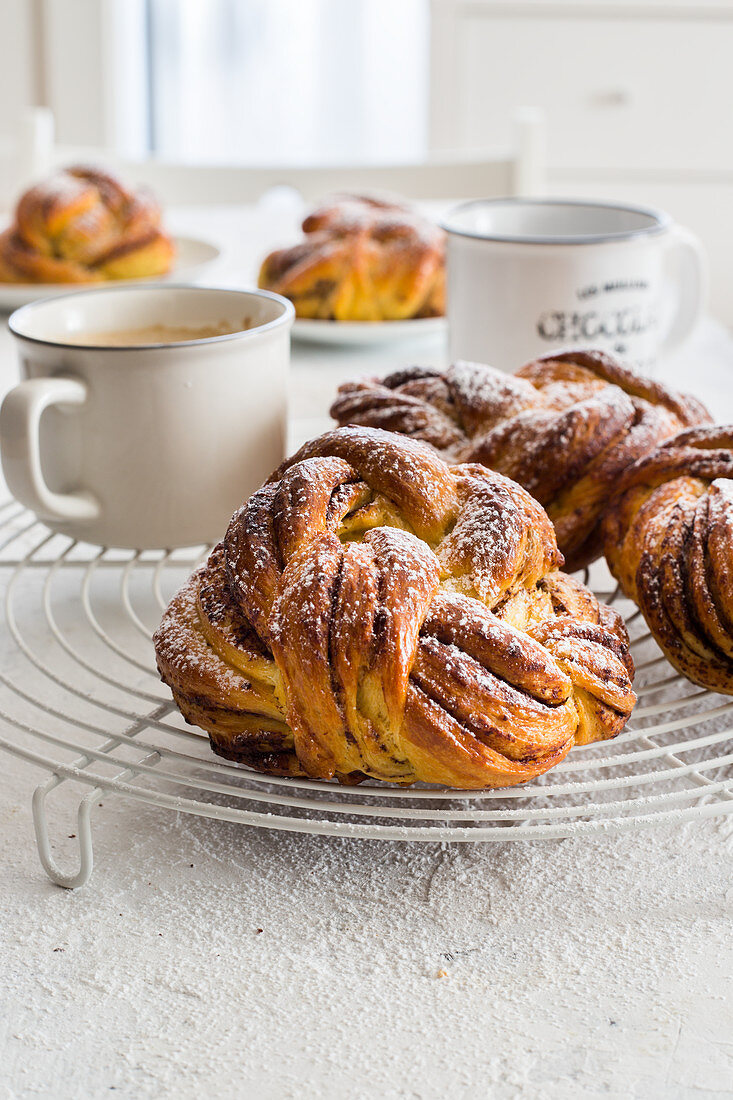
{"x":526,"y":276}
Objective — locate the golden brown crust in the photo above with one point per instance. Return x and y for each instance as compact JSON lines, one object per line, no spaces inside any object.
{"x":373,"y":611}
{"x":363,"y":259}
{"x":565,"y":426}
{"x":82,"y":226}
{"x":668,"y":539}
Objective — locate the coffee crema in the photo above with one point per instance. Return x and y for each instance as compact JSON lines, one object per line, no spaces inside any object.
{"x":152,"y":334}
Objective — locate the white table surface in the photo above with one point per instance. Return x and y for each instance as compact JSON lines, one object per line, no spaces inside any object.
{"x":206,"y":959}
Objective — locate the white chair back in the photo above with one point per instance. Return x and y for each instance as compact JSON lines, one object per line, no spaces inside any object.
{"x":441,"y":176}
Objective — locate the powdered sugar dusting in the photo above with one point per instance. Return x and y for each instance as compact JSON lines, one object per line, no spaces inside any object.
{"x":180,"y":968}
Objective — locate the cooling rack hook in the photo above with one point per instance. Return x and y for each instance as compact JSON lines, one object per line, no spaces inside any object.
{"x":83,"y":833}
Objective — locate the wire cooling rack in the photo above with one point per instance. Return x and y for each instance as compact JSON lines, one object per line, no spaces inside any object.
{"x":80,"y":697}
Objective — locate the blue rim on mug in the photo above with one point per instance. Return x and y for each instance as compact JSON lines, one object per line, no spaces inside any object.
{"x":651,"y":222}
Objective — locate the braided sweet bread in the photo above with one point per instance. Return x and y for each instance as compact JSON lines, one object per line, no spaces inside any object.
{"x":83,"y":226}
{"x":373,"y":611}
{"x":565,"y":427}
{"x":363,"y":259}
{"x":668,"y":540}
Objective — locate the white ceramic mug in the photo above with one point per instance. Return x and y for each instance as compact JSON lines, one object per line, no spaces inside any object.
{"x":526,"y":276}
{"x":152,"y":445}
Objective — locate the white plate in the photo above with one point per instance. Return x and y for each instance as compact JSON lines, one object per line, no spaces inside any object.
{"x":366,"y":332}
{"x":192,"y":257}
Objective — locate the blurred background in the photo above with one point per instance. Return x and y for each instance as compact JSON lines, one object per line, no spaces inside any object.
{"x":634,"y":97}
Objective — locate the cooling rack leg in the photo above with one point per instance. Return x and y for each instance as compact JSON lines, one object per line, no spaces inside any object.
{"x":83,"y":832}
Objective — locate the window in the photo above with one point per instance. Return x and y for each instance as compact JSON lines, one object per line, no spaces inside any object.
{"x":286,"y":81}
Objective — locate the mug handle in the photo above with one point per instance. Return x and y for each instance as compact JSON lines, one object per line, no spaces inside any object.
{"x":20,"y":418}
{"x":686,"y":256}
